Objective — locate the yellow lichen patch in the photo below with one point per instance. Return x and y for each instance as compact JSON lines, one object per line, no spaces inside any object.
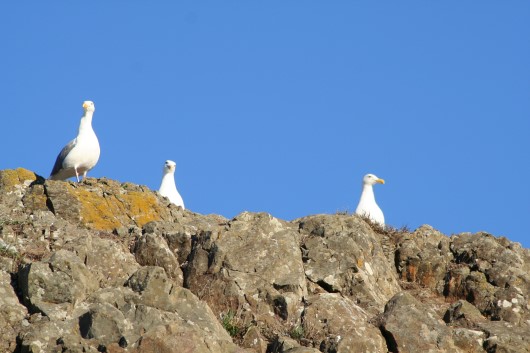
{"x":96,"y":212}
{"x":110,"y":211}
{"x":9,"y":178}
{"x":143,"y":207}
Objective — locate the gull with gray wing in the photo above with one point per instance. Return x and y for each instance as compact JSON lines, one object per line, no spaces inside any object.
{"x":82,"y":153}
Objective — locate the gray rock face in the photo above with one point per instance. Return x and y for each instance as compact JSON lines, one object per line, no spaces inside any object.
{"x":12,"y":314}
{"x":102,"y":266}
{"x":55,"y":286}
{"x":499,"y":279}
{"x":336,"y":324}
{"x":423,"y":257}
{"x":254,"y":262}
{"x":343,"y":255}
{"x":405,"y":314}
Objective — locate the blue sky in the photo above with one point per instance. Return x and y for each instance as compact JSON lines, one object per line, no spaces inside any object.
{"x":283,"y":106}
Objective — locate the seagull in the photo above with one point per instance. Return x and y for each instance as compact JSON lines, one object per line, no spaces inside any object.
{"x":367,"y":205}
{"x":82,"y":153}
{"x":168,"y":187}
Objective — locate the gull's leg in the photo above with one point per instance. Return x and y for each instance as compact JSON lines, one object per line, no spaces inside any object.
{"x":84,"y":174}
{"x":76,"y":174}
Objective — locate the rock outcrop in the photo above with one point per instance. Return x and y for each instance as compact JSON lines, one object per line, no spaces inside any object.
{"x":103,"y":266}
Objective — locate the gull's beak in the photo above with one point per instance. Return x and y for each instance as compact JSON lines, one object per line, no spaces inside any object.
{"x":85,"y":105}
{"x":380,"y":181}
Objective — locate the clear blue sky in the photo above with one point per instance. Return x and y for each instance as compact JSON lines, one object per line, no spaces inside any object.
{"x":283,"y":106}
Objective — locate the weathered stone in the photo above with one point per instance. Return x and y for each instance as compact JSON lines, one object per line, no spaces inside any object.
{"x":105,"y":204}
{"x":469,"y":341}
{"x":43,"y":335}
{"x":342,"y":254}
{"x":253,"y":339}
{"x":168,"y":338}
{"x":11,"y":314}
{"x":158,"y":291}
{"x":423,"y":257}
{"x":104,"y":323}
{"x":255,"y":261}
{"x":179,"y":232}
{"x":55,"y":286}
{"x":504,"y":266}
{"x":338,"y":325}
{"x":108,"y":260}
{"x":464,"y":314}
{"x":14,"y":184}
{"x":506,"y":337}
{"x":410,"y":326}
{"x":284,"y":343}
{"x":98,"y":263}
{"x":152,"y":250}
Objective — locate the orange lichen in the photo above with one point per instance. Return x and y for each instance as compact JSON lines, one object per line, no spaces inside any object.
{"x":360,"y":262}
{"x":9,"y":178}
{"x":143,"y":207}
{"x":112,"y":210}
{"x":95,"y":211}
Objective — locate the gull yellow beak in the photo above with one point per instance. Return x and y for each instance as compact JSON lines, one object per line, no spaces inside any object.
{"x":85,"y":104}
{"x":380,"y":181}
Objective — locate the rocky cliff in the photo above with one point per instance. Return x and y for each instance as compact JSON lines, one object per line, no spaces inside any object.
{"x":102,"y":266}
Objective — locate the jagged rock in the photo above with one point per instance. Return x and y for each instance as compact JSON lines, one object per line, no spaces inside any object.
{"x":254,"y":339}
{"x":102,"y":266}
{"x":172,"y":337}
{"x":158,"y":291}
{"x":284,"y":343}
{"x":179,"y":232}
{"x":465,"y":318}
{"x":55,"y":286}
{"x":464,"y":314}
{"x":14,"y":184}
{"x":499,"y":282}
{"x":410,"y":326}
{"x":152,"y":250}
{"x":107,"y":259}
{"x":342,"y":254}
{"x":11,"y":314}
{"x":103,"y":322}
{"x":43,"y":335}
{"x":338,"y":325}
{"x":255,"y":262}
{"x":423,"y":257}
{"x":506,"y":337}
{"x":469,"y":341}
{"x":104,"y":204}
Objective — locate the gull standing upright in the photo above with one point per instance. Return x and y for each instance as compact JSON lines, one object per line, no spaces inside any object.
{"x":82,"y":153}
{"x":168,"y":187}
{"x":367,"y":205}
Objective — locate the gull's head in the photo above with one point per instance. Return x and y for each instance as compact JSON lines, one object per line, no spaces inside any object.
{"x":89,"y":106}
{"x":371,"y":179}
{"x":169,"y":167}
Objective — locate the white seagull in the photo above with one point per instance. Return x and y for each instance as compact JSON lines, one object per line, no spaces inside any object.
{"x":82,"y":153}
{"x":367,"y":205}
{"x":168,"y":187}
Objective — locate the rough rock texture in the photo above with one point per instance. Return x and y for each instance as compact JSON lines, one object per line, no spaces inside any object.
{"x":103,"y":266}
{"x":343,"y":255}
